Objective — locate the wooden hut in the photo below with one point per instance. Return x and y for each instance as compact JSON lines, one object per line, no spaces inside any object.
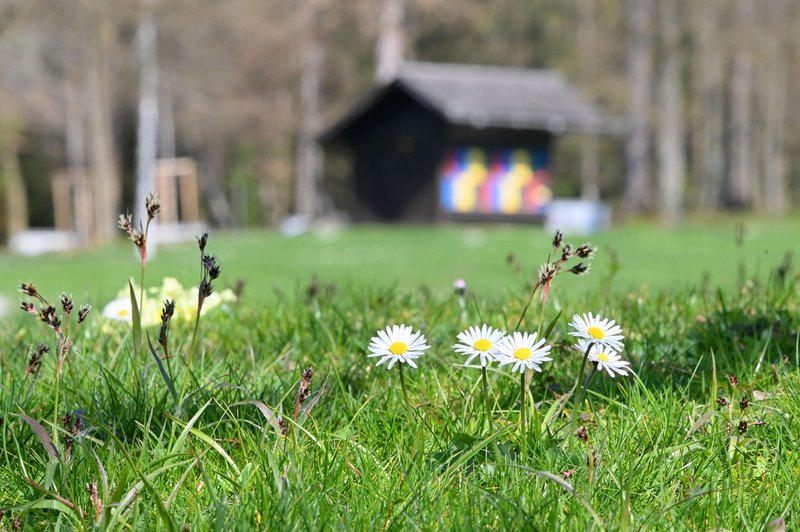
{"x":447,"y":141}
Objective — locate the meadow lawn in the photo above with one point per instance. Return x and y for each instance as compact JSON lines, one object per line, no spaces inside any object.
{"x":704,"y":436}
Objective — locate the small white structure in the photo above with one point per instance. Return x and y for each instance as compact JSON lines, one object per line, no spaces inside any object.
{"x":577,"y":217}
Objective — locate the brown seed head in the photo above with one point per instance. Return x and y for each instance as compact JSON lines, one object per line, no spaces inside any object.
{"x":558,"y":237}
{"x":585,"y":251}
{"x":722,"y":401}
{"x":579,"y":269}
{"x":744,"y":403}
{"x":546,"y":273}
{"x":35,"y":362}
{"x":66,"y":303}
{"x":168,"y":310}
{"x":29,"y":290}
{"x":733,"y":380}
{"x":567,"y":474}
{"x":83,"y":312}
{"x":153,"y":205}
{"x":582,"y":434}
{"x":28,"y":307}
{"x":566,"y":252}
{"x":125,"y":222}
{"x":94,"y":496}
{"x":742,"y":426}
{"x":202,"y":241}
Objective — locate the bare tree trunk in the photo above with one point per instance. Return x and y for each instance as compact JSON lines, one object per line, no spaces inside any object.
{"x":775,"y":111}
{"x":709,"y":107}
{"x":12,"y":188}
{"x":105,"y":180}
{"x":147,"y":131}
{"x":309,"y":154}
{"x":638,"y":179}
{"x":390,"y":48}
{"x":671,"y":161}
{"x":740,"y":184}
{"x":587,"y":53}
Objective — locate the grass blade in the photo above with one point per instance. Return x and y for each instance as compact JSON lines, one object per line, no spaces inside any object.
{"x":41,"y":433}
{"x":136,"y":320}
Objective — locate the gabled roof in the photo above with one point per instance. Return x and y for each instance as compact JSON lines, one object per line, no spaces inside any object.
{"x":491,"y":96}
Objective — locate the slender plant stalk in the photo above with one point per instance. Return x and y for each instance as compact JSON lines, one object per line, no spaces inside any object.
{"x":403,"y":386}
{"x":580,"y":376}
{"x":486,"y":400}
{"x":522,"y":413}
{"x":527,"y":305}
{"x":586,"y":386}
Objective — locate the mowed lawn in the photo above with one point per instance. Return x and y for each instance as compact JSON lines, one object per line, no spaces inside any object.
{"x":649,"y":257}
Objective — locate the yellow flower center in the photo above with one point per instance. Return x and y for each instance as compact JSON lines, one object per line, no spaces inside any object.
{"x":123,"y":312}
{"x":398,"y":348}
{"x":602,"y":357}
{"x":523,"y":353}
{"x":483,"y":345}
{"x":596,"y":332}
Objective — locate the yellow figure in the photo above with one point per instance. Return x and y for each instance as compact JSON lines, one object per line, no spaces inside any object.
{"x":467,"y":182}
{"x":514,"y":182}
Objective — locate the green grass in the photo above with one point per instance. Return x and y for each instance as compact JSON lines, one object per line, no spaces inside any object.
{"x":649,"y":256}
{"x":666,"y":455}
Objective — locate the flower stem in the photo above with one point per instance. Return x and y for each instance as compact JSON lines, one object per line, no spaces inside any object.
{"x":580,"y":377}
{"x":487,"y":402}
{"x":527,"y":305}
{"x":522,"y":412}
{"x":586,"y":384}
{"x":403,"y":386}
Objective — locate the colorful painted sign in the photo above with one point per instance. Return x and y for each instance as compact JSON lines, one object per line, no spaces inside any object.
{"x":478,"y":181}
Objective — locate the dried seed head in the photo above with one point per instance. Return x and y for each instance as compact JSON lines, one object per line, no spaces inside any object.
{"x":722,"y":401}
{"x":48,"y":315}
{"x":153,"y":205}
{"x":579,"y":269}
{"x":29,"y":290}
{"x":83,"y":312}
{"x":558,"y":237}
{"x":283,"y":426}
{"x":585,"y":251}
{"x":567,"y":474}
{"x":28,"y":307}
{"x":168,"y":310}
{"x":742,"y":426}
{"x":94,"y":496}
{"x":214,"y":271}
{"x":125,"y":222}
{"x":66,"y":303}
{"x":733,"y":380}
{"x":35,"y":362}
{"x":744,"y":403}
{"x":205,"y":288}
{"x":582,"y":434}
{"x":546,"y":273}
{"x":566,"y":252}
{"x":202,"y":241}
{"x":305,"y":384}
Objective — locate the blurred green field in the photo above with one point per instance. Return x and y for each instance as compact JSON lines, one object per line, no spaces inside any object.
{"x":649,"y":256}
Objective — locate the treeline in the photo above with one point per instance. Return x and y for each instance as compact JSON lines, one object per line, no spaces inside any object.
{"x":241,"y":86}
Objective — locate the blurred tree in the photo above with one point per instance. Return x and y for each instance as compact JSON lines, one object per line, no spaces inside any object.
{"x":671,"y":162}
{"x":638,"y":178}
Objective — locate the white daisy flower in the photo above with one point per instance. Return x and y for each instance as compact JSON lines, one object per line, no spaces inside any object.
{"x":398,"y":343}
{"x":605,"y":358}
{"x":479,"y":342}
{"x":600,"y":331}
{"x":526,"y":351}
{"x":118,"y":309}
